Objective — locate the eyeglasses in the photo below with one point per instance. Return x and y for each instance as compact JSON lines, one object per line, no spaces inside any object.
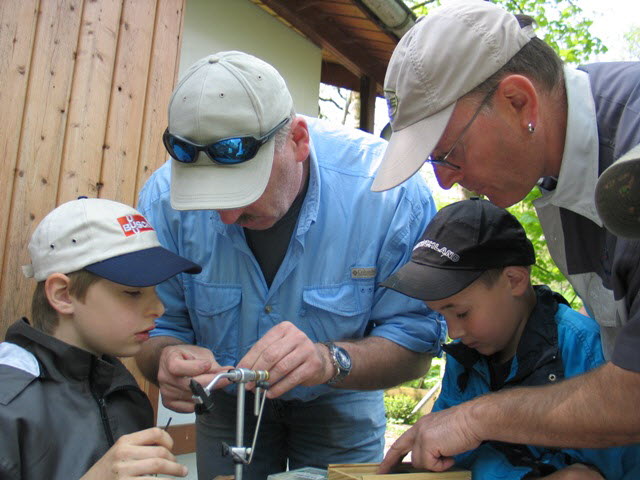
{"x":228,"y":151}
{"x":442,"y":160}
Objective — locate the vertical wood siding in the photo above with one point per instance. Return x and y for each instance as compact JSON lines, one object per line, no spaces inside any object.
{"x":84,"y":87}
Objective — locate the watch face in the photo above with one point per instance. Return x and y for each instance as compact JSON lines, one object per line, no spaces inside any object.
{"x":343,"y":359}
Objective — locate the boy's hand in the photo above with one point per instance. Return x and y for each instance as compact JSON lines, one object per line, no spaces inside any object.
{"x":138,"y":456}
{"x":178,"y":365}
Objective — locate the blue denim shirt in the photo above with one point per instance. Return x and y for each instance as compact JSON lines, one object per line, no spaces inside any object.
{"x":347,"y":240}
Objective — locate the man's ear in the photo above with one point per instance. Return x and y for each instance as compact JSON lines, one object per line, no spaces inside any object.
{"x":56,"y":288}
{"x":518,"y":95}
{"x":300,"y":137}
{"x":519,"y":279}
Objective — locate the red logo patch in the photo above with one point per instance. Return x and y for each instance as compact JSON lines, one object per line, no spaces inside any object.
{"x":132,"y":224}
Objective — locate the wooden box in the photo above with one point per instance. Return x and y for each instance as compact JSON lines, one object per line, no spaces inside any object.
{"x":367,"y":471}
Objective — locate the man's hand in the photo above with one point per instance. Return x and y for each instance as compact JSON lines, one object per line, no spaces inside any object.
{"x":178,"y":365}
{"x":136,"y":456}
{"x":291,"y":358}
{"x":433,"y":441}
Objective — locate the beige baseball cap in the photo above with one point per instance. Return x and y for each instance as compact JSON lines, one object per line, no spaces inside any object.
{"x":107,"y":238}
{"x":618,"y":195}
{"x":224,"y":95}
{"x":441,"y":58}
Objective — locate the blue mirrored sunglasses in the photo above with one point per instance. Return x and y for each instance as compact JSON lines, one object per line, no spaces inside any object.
{"x":228,"y":151}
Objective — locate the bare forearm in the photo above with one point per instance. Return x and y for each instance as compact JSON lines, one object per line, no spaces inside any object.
{"x":148,"y":358}
{"x":594,"y":410}
{"x":380,"y":363}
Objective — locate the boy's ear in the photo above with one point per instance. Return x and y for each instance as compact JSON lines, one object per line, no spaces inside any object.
{"x":56,"y":288}
{"x":519,"y":279}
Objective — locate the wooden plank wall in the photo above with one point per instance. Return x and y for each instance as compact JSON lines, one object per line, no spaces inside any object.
{"x":84,"y":92}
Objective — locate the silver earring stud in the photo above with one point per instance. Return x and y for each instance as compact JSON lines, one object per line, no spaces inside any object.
{"x":531,"y":128}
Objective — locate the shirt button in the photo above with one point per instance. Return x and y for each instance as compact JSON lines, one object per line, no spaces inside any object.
{"x":268,"y":309}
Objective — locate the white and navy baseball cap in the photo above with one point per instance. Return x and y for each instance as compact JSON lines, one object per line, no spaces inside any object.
{"x":462,"y":241}
{"x":107,"y":238}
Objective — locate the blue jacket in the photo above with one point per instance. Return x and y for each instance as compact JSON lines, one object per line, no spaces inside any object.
{"x":347,"y":240}
{"x":557,"y":343}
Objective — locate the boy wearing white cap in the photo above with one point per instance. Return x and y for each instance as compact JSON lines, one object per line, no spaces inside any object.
{"x":278,"y":210}
{"x":474,"y":92}
{"x":68,"y":406}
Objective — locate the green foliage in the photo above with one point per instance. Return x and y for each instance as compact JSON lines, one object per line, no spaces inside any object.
{"x":430,"y":378}
{"x":561,"y":23}
{"x":399,"y":408}
{"x":545,"y":271}
{"x":632,"y":37}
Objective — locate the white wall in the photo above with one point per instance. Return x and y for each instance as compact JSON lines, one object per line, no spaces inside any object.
{"x":216,"y":25}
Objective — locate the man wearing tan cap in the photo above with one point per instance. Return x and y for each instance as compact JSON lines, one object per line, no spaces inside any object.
{"x":278,"y":210}
{"x":474,"y":92}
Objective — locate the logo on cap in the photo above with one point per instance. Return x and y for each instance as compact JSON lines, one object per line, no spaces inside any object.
{"x":435,"y":246}
{"x":132,"y":224}
{"x":392,"y":102}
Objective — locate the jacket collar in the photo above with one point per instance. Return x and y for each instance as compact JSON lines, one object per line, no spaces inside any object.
{"x":59,"y":360}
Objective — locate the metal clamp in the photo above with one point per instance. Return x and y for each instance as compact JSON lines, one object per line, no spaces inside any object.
{"x":204,"y":403}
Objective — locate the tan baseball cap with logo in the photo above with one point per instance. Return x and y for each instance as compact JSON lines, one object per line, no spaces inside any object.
{"x":221,"y":96}
{"x":441,"y":58}
{"x":107,"y":238}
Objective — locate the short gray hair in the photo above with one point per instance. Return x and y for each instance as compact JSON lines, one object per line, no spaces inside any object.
{"x":281,"y":136}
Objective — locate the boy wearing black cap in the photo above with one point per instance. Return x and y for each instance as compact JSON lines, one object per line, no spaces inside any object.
{"x":472,"y":265}
{"x":68,"y":407}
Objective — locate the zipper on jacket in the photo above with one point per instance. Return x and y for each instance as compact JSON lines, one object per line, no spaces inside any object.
{"x":102,"y":405}
{"x":105,"y":419}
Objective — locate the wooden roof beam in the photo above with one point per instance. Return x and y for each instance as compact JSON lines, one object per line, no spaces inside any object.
{"x":322,"y":30}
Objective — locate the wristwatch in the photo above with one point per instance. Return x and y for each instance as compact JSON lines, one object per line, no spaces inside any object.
{"x":341,"y":362}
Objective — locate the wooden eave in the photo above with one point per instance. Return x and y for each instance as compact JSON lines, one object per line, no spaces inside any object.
{"x":354,"y":42}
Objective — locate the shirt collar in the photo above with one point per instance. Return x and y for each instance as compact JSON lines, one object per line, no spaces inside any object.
{"x":579,"y":169}
{"x":309,"y":210}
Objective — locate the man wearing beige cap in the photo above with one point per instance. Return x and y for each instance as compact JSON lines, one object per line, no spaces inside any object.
{"x":474,"y":92}
{"x":278,"y":210}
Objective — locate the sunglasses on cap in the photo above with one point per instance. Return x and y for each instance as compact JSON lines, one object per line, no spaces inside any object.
{"x":228,"y":151}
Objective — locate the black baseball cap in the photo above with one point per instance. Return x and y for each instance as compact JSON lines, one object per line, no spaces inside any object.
{"x":462,"y":241}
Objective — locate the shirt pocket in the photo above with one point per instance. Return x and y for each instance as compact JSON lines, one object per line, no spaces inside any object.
{"x":217,"y":309}
{"x":338,"y":311}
